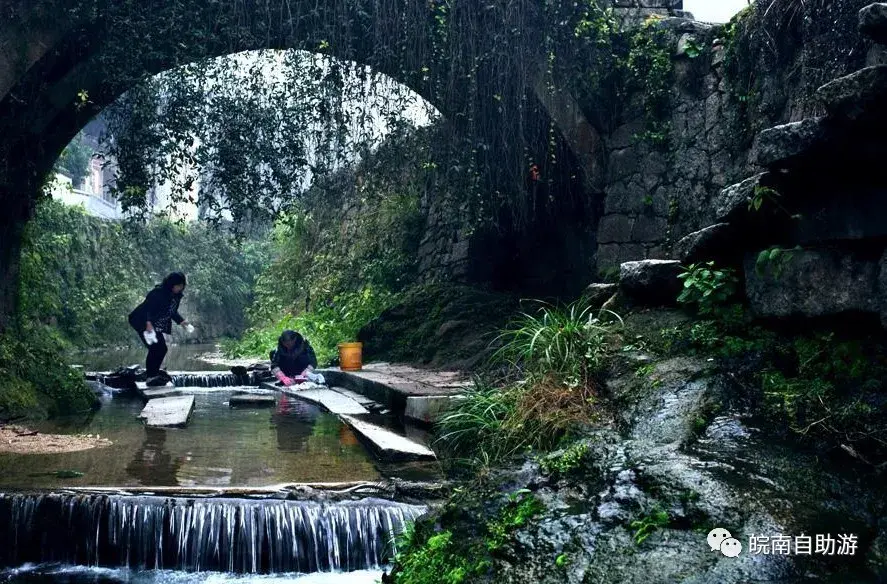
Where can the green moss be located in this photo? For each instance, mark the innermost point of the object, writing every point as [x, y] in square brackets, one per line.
[451, 548]
[650, 70]
[567, 462]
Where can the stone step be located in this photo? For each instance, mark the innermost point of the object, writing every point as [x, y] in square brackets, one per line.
[873, 22]
[155, 392]
[388, 445]
[168, 411]
[333, 401]
[858, 96]
[780, 146]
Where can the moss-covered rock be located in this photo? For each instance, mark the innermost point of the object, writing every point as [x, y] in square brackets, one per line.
[440, 325]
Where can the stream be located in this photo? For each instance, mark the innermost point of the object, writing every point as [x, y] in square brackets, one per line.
[50, 534]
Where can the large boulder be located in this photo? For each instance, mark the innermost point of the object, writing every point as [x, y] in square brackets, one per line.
[873, 22]
[812, 283]
[653, 282]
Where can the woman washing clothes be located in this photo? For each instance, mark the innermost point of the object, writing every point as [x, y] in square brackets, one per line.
[294, 361]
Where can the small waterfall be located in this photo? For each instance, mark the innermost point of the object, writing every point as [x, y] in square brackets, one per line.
[220, 379]
[228, 535]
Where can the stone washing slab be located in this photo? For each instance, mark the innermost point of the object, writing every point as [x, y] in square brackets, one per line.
[168, 411]
[142, 388]
[155, 392]
[332, 401]
[388, 445]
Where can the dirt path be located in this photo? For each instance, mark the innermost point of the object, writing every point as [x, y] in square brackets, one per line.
[21, 440]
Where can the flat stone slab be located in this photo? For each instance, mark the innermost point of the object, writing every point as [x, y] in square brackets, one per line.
[387, 444]
[168, 411]
[251, 400]
[333, 401]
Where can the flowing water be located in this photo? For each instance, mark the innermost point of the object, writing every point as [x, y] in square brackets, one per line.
[229, 535]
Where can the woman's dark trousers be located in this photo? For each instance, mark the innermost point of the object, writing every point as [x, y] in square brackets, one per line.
[156, 354]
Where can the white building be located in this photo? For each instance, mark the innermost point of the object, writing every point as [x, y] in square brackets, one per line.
[93, 194]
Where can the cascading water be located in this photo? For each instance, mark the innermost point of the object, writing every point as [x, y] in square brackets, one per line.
[229, 535]
[213, 379]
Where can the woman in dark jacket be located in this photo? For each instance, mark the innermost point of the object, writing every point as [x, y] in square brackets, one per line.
[154, 316]
[294, 358]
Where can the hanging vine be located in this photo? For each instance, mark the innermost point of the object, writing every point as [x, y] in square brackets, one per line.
[253, 132]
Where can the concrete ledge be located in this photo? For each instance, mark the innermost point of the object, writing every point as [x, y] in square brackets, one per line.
[429, 408]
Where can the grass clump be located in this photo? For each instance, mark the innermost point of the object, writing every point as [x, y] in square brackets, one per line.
[552, 359]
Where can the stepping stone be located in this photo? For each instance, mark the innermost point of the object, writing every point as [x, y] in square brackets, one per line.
[387, 444]
[332, 401]
[780, 146]
[251, 400]
[168, 411]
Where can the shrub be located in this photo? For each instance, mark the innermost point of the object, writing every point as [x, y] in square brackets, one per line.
[35, 380]
[707, 287]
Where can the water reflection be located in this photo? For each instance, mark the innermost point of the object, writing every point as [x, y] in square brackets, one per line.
[152, 463]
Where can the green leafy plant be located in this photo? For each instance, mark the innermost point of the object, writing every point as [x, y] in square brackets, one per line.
[707, 286]
[761, 194]
[693, 49]
[774, 260]
[569, 343]
[646, 525]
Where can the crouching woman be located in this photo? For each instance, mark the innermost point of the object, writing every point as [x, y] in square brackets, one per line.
[294, 361]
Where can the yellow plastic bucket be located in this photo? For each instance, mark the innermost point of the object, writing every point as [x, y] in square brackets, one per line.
[350, 356]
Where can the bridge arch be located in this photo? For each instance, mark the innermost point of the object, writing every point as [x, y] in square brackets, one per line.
[62, 64]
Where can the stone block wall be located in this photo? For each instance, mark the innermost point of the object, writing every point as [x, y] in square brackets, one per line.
[656, 194]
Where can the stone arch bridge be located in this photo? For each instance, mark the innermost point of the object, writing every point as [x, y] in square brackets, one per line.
[53, 52]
